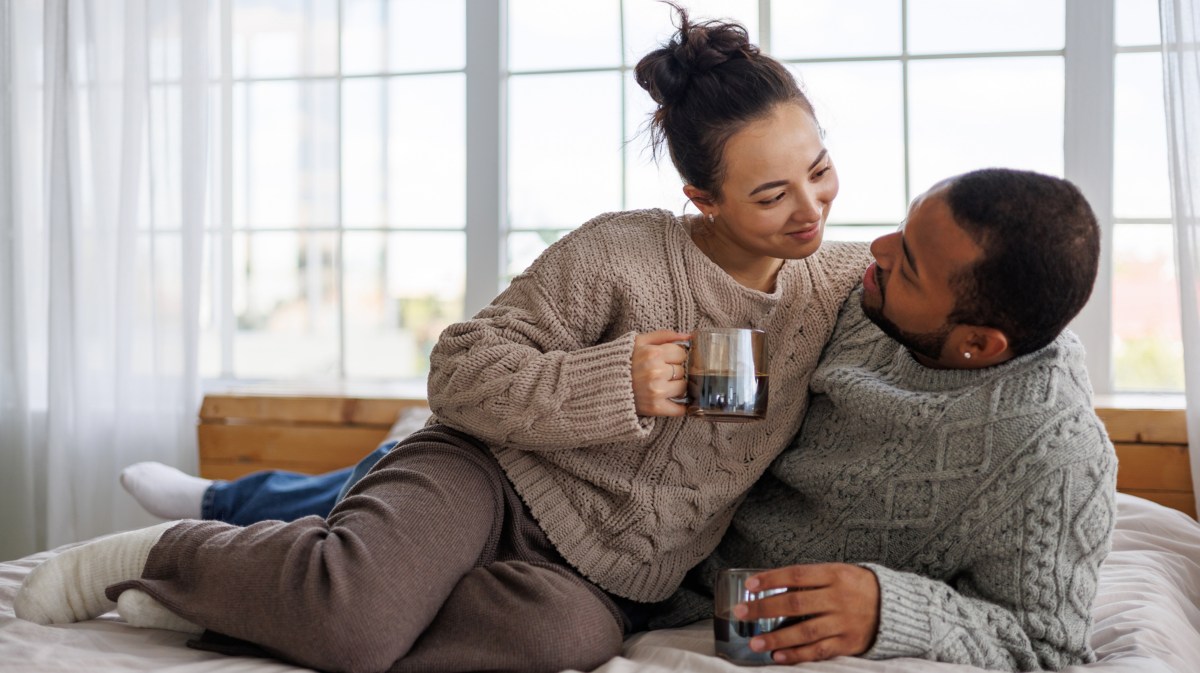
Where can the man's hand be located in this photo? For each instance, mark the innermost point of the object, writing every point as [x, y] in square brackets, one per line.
[840, 604]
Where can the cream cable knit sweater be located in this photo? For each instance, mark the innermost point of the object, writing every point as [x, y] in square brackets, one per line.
[543, 376]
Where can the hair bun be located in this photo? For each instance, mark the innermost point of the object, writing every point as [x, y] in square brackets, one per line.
[694, 50]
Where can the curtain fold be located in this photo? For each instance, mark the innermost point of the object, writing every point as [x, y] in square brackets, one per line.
[104, 134]
[1180, 23]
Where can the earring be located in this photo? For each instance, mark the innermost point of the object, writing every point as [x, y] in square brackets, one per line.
[711, 218]
[967, 356]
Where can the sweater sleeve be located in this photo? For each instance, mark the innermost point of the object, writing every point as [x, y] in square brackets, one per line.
[1024, 602]
[538, 369]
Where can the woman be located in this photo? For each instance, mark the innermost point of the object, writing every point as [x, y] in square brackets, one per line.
[561, 486]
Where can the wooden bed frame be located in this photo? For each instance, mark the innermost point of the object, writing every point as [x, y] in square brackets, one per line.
[241, 433]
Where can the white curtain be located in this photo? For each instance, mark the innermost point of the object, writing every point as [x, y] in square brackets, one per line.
[1180, 21]
[104, 137]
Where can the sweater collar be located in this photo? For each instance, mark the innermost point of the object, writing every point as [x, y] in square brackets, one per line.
[722, 299]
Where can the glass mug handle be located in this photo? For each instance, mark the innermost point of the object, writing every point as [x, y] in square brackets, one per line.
[686, 344]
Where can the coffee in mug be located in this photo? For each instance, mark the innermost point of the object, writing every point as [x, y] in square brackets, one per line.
[727, 374]
[732, 635]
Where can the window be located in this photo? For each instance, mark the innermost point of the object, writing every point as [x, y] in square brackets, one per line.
[342, 250]
[363, 220]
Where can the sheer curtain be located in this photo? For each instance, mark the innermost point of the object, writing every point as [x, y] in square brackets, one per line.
[1181, 76]
[104, 139]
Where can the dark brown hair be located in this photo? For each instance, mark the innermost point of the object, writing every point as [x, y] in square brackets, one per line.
[1041, 251]
[709, 82]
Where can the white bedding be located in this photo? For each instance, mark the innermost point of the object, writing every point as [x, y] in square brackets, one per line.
[1146, 621]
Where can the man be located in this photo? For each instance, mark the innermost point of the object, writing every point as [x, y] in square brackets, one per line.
[951, 494]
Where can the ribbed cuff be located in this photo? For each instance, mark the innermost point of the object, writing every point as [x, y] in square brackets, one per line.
[601, 404]
[904, 609]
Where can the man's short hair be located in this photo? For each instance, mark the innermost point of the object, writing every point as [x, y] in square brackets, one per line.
[1041, 249]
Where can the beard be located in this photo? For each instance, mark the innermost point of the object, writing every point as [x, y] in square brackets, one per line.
[928, 344]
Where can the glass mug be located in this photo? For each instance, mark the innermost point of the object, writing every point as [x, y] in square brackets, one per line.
[726, 374]
[733, 636]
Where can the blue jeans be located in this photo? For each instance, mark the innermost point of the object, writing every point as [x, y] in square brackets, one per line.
[275, 495]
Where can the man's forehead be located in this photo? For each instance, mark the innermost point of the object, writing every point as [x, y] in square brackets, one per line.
[935, 239]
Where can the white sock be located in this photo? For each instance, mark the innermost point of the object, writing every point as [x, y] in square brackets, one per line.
[70, 587]
[165, 491]
[139, 609]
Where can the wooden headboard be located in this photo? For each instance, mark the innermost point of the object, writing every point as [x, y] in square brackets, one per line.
[241, 433]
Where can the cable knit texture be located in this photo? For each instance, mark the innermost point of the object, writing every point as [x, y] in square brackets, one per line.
[543, 376]
[983, 500]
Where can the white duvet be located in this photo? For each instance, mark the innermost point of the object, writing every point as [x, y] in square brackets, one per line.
[1146, 621]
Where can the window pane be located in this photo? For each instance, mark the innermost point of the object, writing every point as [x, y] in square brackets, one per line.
[363, 23]
[285, 154]
[860, 107]
[283, 38]
[427, 35]
[427, 151]
[564, 151]
[647, 184]
[364, 153]
[525, 246]
[859, 234]
[403, 159]
[1141, 185]
[1147, 343]
[402, 290]
[1137, 23]
[552, 34]
[975, 113]
[973, 26]
[402, 36]
[825, 28]
[285, 303]
[649, 23]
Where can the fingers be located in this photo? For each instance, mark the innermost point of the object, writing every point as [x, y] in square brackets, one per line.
[658, 373]
[806, 576]
[799, 635]
[661, 337]
[798, 603]
[818, 651]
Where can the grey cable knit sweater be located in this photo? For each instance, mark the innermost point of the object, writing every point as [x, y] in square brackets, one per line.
[982, 499]
[543, 376]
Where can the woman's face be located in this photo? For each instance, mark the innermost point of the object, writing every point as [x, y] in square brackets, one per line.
[779, 184]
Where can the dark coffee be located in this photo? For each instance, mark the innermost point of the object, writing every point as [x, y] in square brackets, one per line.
[722, 397]
[733, 639]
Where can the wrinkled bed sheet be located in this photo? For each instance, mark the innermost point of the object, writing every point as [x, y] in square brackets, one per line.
[1146, 621]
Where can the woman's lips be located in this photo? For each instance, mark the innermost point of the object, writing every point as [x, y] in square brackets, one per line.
[806, 234]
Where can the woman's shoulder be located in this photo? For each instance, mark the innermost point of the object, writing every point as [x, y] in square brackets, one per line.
[648, 222]
[619, 238]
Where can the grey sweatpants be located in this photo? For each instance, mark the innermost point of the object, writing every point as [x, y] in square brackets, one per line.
[431, 563]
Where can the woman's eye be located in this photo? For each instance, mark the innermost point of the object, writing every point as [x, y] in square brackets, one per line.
[774, 199]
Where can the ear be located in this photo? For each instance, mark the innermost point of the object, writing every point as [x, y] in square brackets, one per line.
[974, 346]
[703, 200]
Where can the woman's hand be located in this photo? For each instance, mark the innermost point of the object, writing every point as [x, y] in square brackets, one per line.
[659, 373]
[839, 600]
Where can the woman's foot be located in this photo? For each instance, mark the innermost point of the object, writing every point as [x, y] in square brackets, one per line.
[165, 491]
[69, 587]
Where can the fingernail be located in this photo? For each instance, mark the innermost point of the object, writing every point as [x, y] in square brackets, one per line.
[779, 657]
[752, 583]
[758, 644]
[740, 610]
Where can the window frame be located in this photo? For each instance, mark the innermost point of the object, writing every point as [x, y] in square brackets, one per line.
[1089, 55]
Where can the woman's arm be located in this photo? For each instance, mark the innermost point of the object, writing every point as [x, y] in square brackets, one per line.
[546, 366]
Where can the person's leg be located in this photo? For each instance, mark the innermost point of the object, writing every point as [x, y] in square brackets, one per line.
[356, 589]
[514, 616]
[277, 495]
[270, 495]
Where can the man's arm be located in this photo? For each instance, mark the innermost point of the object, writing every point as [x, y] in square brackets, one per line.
[1022, 601]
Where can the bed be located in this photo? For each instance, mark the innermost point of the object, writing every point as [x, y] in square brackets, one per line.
[1147, 620]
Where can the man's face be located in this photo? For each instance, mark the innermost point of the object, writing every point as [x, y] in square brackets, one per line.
[908, 291]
